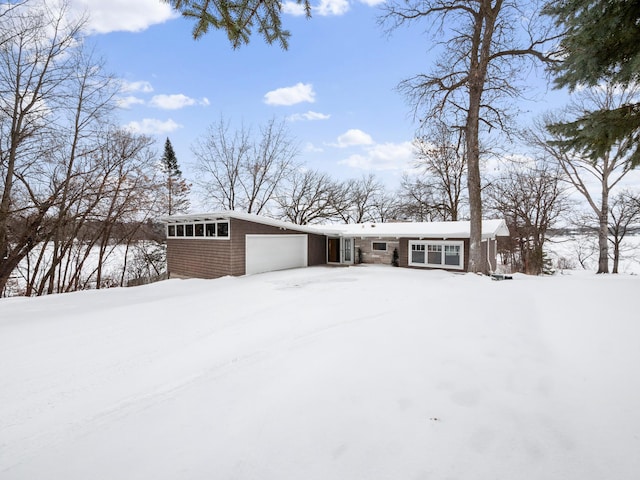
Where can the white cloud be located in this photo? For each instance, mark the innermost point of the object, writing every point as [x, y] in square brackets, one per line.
[153, 126]
[300, 92]
[352, 138]
[311, 148]
[129, 101]
[204, 101]
[384, 156]
[123, 15]
[310, 115]
[372, 3]
[139, 86]
[324, 8]
[332, 7]
[293, 8]
[171, 102]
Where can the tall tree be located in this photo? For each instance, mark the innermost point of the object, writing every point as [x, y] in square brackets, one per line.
[440, 156]
[600, 45]
[358, 203]
[176, 189]
[419, 199]
[624, 213]
[486, 47]
[308, 197]
[241, 170]
[530, 199]
[239, 19]
[37, 62]
[593, 178]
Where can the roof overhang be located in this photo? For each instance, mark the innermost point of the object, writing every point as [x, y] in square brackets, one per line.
[423, 230]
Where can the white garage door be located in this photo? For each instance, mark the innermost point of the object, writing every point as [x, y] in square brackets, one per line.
[265, 253]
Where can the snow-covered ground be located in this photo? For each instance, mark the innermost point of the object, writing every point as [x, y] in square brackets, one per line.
[367, 372]
[581, 252]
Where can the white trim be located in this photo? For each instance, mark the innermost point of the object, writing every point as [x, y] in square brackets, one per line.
[343, 250]
[183, 224]
[386, 246]
[443, 243]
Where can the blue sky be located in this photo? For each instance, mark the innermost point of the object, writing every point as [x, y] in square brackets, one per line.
[335, 85]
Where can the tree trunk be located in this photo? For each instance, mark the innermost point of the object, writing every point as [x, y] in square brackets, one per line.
[616, 255]
[473, 181]
[603, 232]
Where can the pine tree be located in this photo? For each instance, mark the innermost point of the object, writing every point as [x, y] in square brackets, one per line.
[169, 160]
[238, 19]
[176, 188]
[600, 45]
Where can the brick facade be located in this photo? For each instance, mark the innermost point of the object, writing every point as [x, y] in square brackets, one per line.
[369, 255]
[216, 257]
[206, 257]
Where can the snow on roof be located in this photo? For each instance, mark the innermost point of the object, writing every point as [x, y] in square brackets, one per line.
[490, 229]
[249, 217]
[460, 229]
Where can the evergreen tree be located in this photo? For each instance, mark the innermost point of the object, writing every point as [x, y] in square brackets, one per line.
[169, 160]
[176, 188]
[238, 19]
[600, 45]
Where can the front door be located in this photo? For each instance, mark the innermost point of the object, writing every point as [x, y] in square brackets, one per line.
[333, 250]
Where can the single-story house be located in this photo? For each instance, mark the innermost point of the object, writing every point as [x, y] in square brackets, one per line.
[212, 245]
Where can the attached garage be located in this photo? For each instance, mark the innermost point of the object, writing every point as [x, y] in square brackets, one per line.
[266, 253]
[213, 245]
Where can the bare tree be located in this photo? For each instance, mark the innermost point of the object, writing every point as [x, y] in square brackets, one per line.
[36, 63]
[418, 197]
[624, 213]
[356, 204]
[594, 180]
[487, 46]
[440, 156]
[386, 207]
[308, 197]
[241, 172]
[531, 200]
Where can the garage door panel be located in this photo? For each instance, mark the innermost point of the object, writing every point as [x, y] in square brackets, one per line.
[266, 253]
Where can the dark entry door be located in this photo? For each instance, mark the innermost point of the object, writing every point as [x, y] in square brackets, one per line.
[333, 250]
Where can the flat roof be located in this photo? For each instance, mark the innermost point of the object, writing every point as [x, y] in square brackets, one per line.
[490, 228]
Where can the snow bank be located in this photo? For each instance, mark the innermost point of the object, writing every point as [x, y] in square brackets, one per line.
[325, 373]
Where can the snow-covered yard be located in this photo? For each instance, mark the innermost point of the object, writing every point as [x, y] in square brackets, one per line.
[325, 373]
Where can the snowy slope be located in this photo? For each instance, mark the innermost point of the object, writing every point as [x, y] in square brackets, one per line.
[325, 373]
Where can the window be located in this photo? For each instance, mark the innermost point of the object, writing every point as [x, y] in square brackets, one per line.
[200, 229]
[434, 254]
[380, 246]
[437, 253]
[223, 229]
[452, 255]
[417, 253]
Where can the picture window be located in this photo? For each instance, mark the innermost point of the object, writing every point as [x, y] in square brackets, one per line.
[436, 254]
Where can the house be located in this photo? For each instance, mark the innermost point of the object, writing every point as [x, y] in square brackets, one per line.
[213, 245]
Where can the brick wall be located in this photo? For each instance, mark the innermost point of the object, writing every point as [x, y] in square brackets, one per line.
[213, 258]
[198, 258]
[369, 255]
